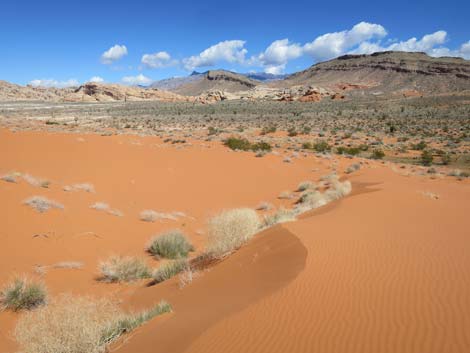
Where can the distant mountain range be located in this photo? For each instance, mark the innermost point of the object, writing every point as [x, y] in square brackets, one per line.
[384, 73]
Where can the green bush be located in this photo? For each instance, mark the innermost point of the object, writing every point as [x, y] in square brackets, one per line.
[377, 154]
[124, 269]
[242, 144]
[426, 158]
[171, 245]
[348, 150]
[170, 269]
[23, 294]
[321, 146]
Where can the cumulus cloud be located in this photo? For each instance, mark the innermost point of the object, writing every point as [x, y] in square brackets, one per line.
[158, 60]
[331, 45]
[432, 44]
[137, 80]
[47, 83]
[113, 54]
[231, 51]
[277, 55]
[96, 79]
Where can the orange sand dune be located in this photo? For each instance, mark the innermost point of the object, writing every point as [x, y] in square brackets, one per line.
[131, 174]
[385, 269]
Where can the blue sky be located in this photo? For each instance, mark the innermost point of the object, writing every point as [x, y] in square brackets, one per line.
[65, 42]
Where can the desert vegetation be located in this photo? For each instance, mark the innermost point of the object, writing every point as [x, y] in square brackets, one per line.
[23, 294]
[42, 204]
[78, 324]
[170, 245]
[123, 269]
[230, 229]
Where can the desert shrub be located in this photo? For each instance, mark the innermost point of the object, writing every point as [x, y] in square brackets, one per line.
[426, 158]
[446, 159]
[80, 187]
[171, 245]
[352, 168]
[313, 199]
[235, 143]
[307, 145]
[23, 294]
[280, 216]
[419, 146]
[268, 130]
[305, 185]
[292, 132]
[10, 178]
[42, 204]
[170, 269]
[261, 146]
[36, 181]
[231, 229]
[321, 146]
[124, 269]
[101, 206]
[377, 154]
[337, 190]
[148, 216]
[77, 325]
[352, 151]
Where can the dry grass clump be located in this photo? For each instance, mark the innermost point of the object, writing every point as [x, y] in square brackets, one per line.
[101, 206]
[34, 181]
[170, 269]
[231, 229]
[42, 204]
[152, 216]
[314, 199]
[305, 185]
[71, 265]
[77, 325]
[124, 269]
[128, 323]
[352, 168]
[280, 216]
[171, 245]
[11, 177]
[80, 187]
[23, 294]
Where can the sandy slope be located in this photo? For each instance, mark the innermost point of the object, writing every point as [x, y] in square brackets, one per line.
[387, 271]
[384, 270]
[131, 174]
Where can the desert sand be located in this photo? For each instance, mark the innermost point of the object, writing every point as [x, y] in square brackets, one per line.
[385, 269]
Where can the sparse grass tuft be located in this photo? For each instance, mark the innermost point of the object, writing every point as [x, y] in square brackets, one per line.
[171, 245]
[124, 269]
[170, 269]
[231, 229]
[129, 323]
[23, 294]
[42, 204]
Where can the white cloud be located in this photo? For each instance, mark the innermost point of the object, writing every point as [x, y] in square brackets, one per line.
[231, 51]
[113, 54]
[425, 44]
[137, 80]
[158, 60]
[331, 45]
[47, 83]
[96, 79]
[277, 55]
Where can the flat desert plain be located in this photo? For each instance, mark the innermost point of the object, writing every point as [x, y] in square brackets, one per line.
[384, 267]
